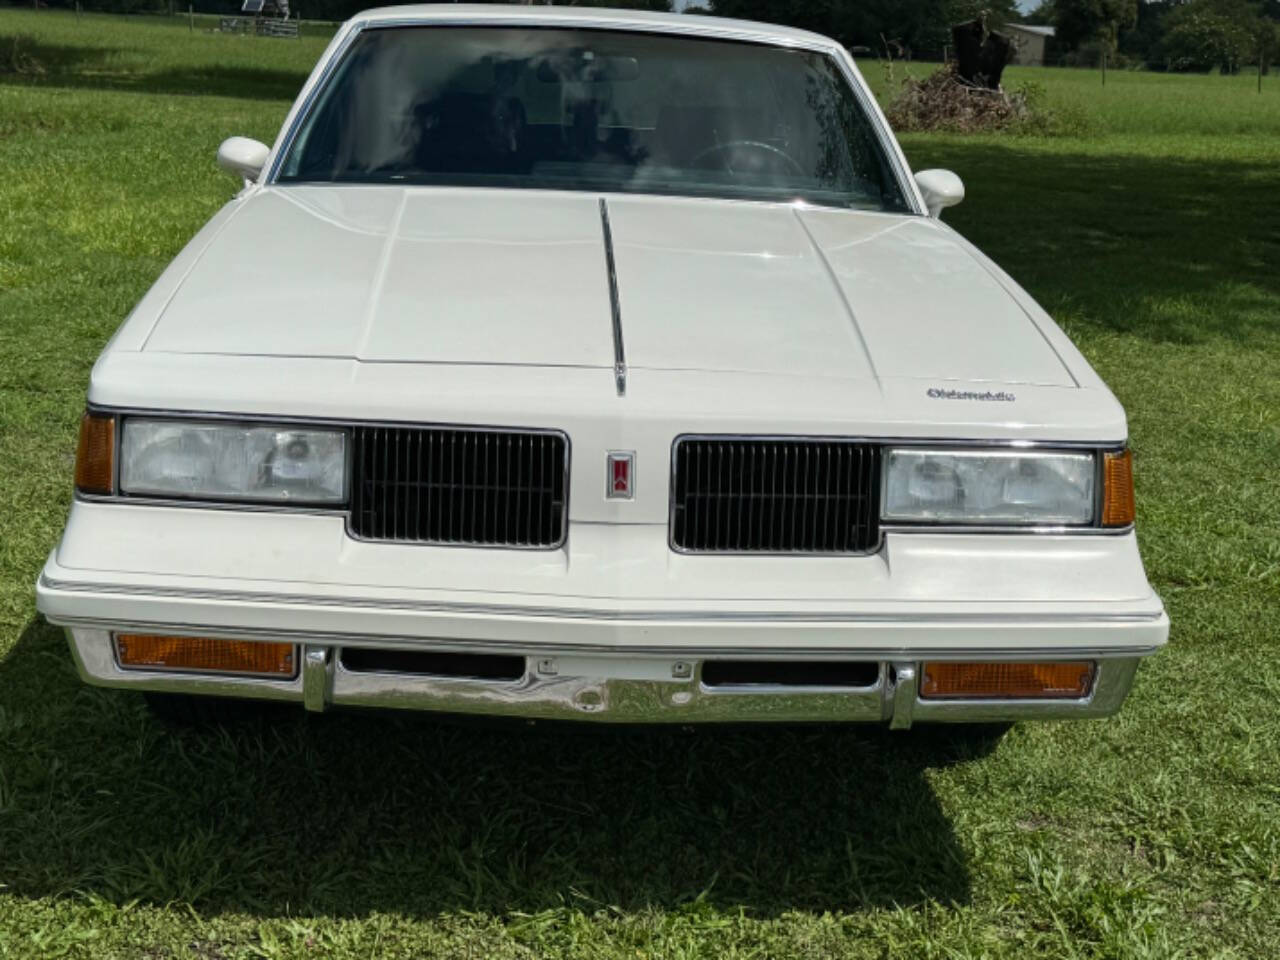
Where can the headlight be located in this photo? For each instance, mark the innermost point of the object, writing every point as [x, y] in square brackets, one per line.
[213, 461]
[989, 487]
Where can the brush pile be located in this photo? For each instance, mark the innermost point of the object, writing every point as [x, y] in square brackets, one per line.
[944, 100]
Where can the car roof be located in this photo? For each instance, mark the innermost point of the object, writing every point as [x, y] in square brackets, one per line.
[597, 17]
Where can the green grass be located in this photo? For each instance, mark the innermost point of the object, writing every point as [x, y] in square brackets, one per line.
[1154, 238]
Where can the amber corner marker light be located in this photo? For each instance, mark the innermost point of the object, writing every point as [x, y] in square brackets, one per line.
[944, 680]
[1118, 506]
[206, 655]
[96, 453]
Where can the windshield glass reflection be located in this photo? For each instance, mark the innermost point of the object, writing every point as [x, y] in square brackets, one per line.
[593, 110]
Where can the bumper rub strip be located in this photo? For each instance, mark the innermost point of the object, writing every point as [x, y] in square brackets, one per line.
[589, 613]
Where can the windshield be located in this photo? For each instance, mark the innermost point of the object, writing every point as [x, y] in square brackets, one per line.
[593, 110]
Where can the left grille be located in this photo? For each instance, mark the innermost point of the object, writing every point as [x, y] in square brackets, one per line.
[493, 488]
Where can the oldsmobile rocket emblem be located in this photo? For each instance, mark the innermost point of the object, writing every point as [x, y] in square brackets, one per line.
[620, 470]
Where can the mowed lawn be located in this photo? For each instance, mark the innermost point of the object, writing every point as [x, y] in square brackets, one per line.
[1154, 237]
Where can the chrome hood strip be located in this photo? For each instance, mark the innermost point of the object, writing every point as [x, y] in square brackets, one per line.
[619, 355]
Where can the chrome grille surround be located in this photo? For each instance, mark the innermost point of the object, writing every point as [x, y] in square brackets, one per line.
[459, 486]
[774, 495]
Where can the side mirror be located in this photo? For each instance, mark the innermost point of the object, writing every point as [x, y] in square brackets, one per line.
[242, 157]
[941, 189]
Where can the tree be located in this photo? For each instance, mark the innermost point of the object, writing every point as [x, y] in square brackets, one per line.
[1266, 42]
[1044, 14]
[312, 9]
[1145, 41]
[819, 15]
[998, 12]
[1204, 34]
[910, 24]
[663, 6]
[1082, 21]
[906, 24]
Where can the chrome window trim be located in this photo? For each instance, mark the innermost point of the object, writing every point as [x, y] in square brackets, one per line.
[121, 414]
[692, 30]
[1093, 529]
[308, 102]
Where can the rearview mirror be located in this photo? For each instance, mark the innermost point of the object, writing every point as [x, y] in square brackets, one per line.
[242, 157]
[940, 188]
[588, 67]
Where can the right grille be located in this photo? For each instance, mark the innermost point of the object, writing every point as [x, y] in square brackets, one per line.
[496, 488]
[743, 495]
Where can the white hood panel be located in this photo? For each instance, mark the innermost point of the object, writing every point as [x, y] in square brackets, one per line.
[386, 274]
[708, 285]
[926, 308]
[495, 277]
[507, 277]
[741, 287]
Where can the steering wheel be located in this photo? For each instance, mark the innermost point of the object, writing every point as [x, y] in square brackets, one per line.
[760, 145]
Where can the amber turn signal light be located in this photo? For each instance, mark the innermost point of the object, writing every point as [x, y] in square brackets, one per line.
[96, 453]
[1118, 507]
[206, 655]
[944, 680]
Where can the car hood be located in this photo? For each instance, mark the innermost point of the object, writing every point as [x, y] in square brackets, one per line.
[455, 276]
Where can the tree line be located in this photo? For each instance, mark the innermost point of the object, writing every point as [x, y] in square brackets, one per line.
[333, 10]
[906, 28]
[1183, 35]
[900, 26]
[1179, 35]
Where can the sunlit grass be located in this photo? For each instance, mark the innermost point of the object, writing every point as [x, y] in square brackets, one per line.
[1134, 101]
[1154, 237]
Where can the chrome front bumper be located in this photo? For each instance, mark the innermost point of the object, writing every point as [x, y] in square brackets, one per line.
[623, 687]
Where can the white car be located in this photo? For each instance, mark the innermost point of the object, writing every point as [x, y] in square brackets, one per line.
[567, 363]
